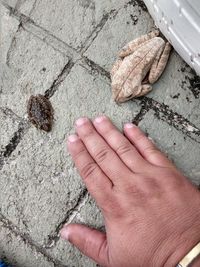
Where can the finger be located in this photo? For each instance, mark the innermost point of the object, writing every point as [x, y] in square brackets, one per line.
[101, 152]
[146, 147]
[96, 181]
[89, 241]
[121, 145]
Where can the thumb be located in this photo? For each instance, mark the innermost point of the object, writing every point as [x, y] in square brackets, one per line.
[89, 241]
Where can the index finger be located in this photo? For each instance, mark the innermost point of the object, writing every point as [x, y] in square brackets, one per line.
[97, 183]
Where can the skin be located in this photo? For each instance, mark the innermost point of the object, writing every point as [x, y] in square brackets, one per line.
[151, 210]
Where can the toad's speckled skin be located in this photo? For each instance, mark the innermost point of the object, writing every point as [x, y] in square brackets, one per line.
[40, 112]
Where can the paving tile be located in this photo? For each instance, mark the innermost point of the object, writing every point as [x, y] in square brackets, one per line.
[74, 20]
[39, 185]
[175, 90]
[8, 124]
[83, 94]
[18, 253]
[89, 215]
[130, 22]
[9, 26]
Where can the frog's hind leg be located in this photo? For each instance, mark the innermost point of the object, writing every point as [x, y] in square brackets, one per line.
[115, 67]
[143, 89]
[133, 45]
[160, 63]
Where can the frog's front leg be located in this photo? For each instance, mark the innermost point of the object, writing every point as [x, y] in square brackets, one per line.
[143, 89]
[159, 63]
[133, 45]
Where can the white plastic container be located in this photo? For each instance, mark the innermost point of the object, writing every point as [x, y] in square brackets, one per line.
[179, 21]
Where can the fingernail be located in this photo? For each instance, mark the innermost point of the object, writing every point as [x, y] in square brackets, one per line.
[64, 233]
[73, 138]
[100, 119]
[129, 125]
[81, 121]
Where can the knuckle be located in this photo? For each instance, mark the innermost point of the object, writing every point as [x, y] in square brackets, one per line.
[140, 137]
[88, 170]
[79, 153]
[101, 155]
[150, 150]
[123, 149]
[87, 246]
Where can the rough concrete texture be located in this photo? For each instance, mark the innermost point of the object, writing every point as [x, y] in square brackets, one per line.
[64, 50]
[11, 3]
[14, 244]
[73, 21]
[9, 123]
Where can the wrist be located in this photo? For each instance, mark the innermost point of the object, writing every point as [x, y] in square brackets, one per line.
[185, 253]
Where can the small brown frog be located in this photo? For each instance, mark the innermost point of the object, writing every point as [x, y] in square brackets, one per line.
[40, 112]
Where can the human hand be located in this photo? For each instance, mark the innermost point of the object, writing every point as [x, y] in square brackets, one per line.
[151, 210]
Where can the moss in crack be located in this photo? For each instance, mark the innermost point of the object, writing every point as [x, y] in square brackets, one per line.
[195, 85]
[139, 3]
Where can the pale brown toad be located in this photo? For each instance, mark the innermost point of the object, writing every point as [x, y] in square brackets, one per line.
[40, 112]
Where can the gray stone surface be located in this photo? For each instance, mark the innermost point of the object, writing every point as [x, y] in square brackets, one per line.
[175, 90]
[18, 253]
[131, 22]
[9, 123]
[25, 6]
[9, 26]
[11, 3]
[79, 88]
[40, 188]
[74, 20]
[43, 186]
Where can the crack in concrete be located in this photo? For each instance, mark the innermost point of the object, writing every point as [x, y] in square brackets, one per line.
[96, 31]
[51, 40]
[12, 44]
[10, 113]
[15, 140]
[94, 68]
[28, 241]
[139, 3]
[70, 215]
[143, 111]
[164, 113]
[22, 20]
[61, 77]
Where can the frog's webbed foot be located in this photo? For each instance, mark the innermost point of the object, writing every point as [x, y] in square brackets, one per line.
[115, 67]
[143, 89]
[160, 63]
[133, 45]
